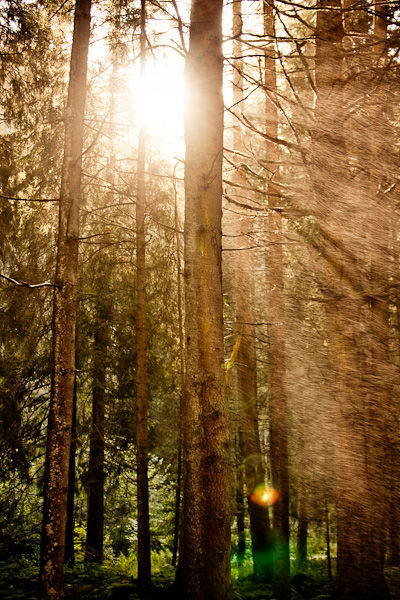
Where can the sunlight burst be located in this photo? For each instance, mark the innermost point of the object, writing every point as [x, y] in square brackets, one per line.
[161, 98]
[264, 496]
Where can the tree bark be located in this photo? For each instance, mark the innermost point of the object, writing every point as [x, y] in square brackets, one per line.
[381, 437]
[360, 409]
[178, 512]
[276, 332]
[241, 532]
[64, 320]
[328, 541]
[207, 514]
[142, 443]
[249, 440]
[95, 518]
[302, 534]
[102, 318]
[69, 556]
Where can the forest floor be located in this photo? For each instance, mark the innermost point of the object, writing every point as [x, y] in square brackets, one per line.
[104, 585]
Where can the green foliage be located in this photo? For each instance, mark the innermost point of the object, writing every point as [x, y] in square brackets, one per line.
[244, 570]
[123, 565]
[79, 543]
[126, 565]
[247, 589]
[312, 584]
[19, 522]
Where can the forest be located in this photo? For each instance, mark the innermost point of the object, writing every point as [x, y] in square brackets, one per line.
[200, 299]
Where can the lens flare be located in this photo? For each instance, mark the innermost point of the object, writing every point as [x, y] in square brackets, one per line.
[264, 496]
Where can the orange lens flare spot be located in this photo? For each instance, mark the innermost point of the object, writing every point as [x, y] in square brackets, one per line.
[264, 496]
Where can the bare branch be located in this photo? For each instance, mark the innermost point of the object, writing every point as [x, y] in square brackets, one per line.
[30, 199]
[29, 285]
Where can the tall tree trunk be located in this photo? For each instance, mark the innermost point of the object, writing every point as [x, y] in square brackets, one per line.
[302, 533]
[103, 309]
[69, 556]
[383, 156]
[359, 410]
[276, 333]
[380, 437]
[344, 311]
[393, 548]
[177, 517]
[95, 518]
[64, 319]
[393, 542]
[249, 440]
[241, 531]
[142, 443]
[328, 541]
[207, 514]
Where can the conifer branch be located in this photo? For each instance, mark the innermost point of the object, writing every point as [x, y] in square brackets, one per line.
[30, 199]
[29, 285]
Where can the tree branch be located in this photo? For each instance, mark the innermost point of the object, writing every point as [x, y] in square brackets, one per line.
[30, 199]
[29, 285]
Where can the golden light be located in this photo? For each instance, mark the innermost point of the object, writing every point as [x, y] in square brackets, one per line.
[161, 97]
[264, 496]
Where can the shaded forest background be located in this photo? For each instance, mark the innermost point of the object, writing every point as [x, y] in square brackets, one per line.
[310, 275]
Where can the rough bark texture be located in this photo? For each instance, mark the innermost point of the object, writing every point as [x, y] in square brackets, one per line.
[241, 532]
[302, 534]
[178, 512]
[328, 541]
[206, 547]
[142, 443]
[249, 440]
[382, 153]
[69, 555]
[102, 330]
[95, 518]
[380, 434]
[360, 408]
[276, 331]
[393, 542]
[64, 320]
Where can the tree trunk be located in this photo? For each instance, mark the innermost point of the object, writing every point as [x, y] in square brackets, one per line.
[328, 541]
[302, 534]
[383, 373]
[393, 546]
[69, 556]
[249, 440]
[64, 319]
[381, 436]
[241, 532]
[359, 410]
[207, 514]
[103, 313]
[393, 542]
[276, 332]
[142, 443]
[328, 141]
[95, 518]
[177, 517]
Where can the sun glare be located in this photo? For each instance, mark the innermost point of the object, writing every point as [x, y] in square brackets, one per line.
[161, 98]
[264, 496]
